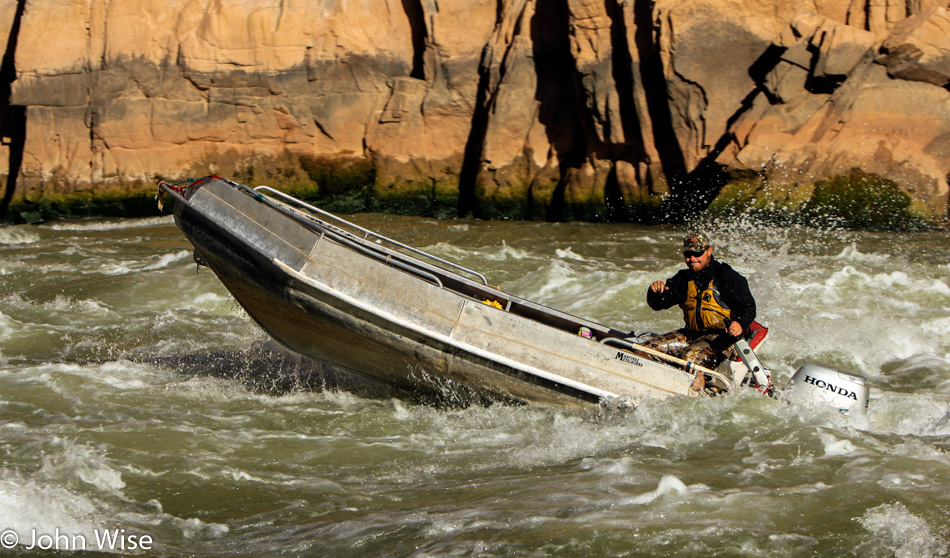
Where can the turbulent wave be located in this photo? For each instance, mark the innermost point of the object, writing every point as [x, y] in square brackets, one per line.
[117, 225]
[134, 393]
[18, 235]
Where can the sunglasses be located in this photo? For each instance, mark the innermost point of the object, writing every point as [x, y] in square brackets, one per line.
[692, 254]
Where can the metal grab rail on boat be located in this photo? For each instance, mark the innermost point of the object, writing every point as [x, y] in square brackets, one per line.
[391, 261]
[689, 366]
[367, 233]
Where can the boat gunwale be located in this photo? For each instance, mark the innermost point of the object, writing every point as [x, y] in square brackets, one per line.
[452, 280]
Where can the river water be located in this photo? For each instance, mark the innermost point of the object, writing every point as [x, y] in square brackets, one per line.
[140, 406]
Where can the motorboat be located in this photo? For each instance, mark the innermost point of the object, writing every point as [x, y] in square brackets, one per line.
[339, 293]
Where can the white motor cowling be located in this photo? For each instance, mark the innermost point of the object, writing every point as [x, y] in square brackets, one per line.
[817, 384]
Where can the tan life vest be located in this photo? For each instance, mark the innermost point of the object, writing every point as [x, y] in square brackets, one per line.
[704, 310]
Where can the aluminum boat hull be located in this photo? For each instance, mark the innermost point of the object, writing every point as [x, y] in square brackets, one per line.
[330, 295]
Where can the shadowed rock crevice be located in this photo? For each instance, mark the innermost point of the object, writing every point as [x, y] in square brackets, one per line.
[657, 96]
[560, 109]
[474, 146]
[471, 162]
[623, 74]
[759, 72]
[817, 83]
[12, 118]
[420, 36]
[630, 150]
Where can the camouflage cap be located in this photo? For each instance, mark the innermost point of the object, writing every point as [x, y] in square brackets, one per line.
[695, 241]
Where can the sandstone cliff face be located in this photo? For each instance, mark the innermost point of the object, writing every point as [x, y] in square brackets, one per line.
[585, 109]
[838, 97]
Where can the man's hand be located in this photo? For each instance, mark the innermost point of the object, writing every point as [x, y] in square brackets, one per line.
[658, 287]
[734, 329]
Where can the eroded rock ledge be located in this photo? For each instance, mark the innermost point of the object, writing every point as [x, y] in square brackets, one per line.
[587, 109]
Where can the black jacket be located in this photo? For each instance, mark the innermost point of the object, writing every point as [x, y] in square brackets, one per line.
[733, 288]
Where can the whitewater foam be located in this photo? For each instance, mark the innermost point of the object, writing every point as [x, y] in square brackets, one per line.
[668, 485]
[906, 534]
[111, 225]
[569, 254]
[835, 447]
[852, 254]
[27, 505]
[18, 235]
[167, 260]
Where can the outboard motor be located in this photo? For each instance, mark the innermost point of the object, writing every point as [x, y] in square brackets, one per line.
[819, 384]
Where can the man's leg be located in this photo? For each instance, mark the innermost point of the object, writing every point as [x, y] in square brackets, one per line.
[700, 352]
[677, 343]
[672, 343]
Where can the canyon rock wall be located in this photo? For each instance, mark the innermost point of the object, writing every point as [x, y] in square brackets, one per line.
[587, 109]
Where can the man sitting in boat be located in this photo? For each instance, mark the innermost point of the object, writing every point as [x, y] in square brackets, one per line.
[716, 301]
